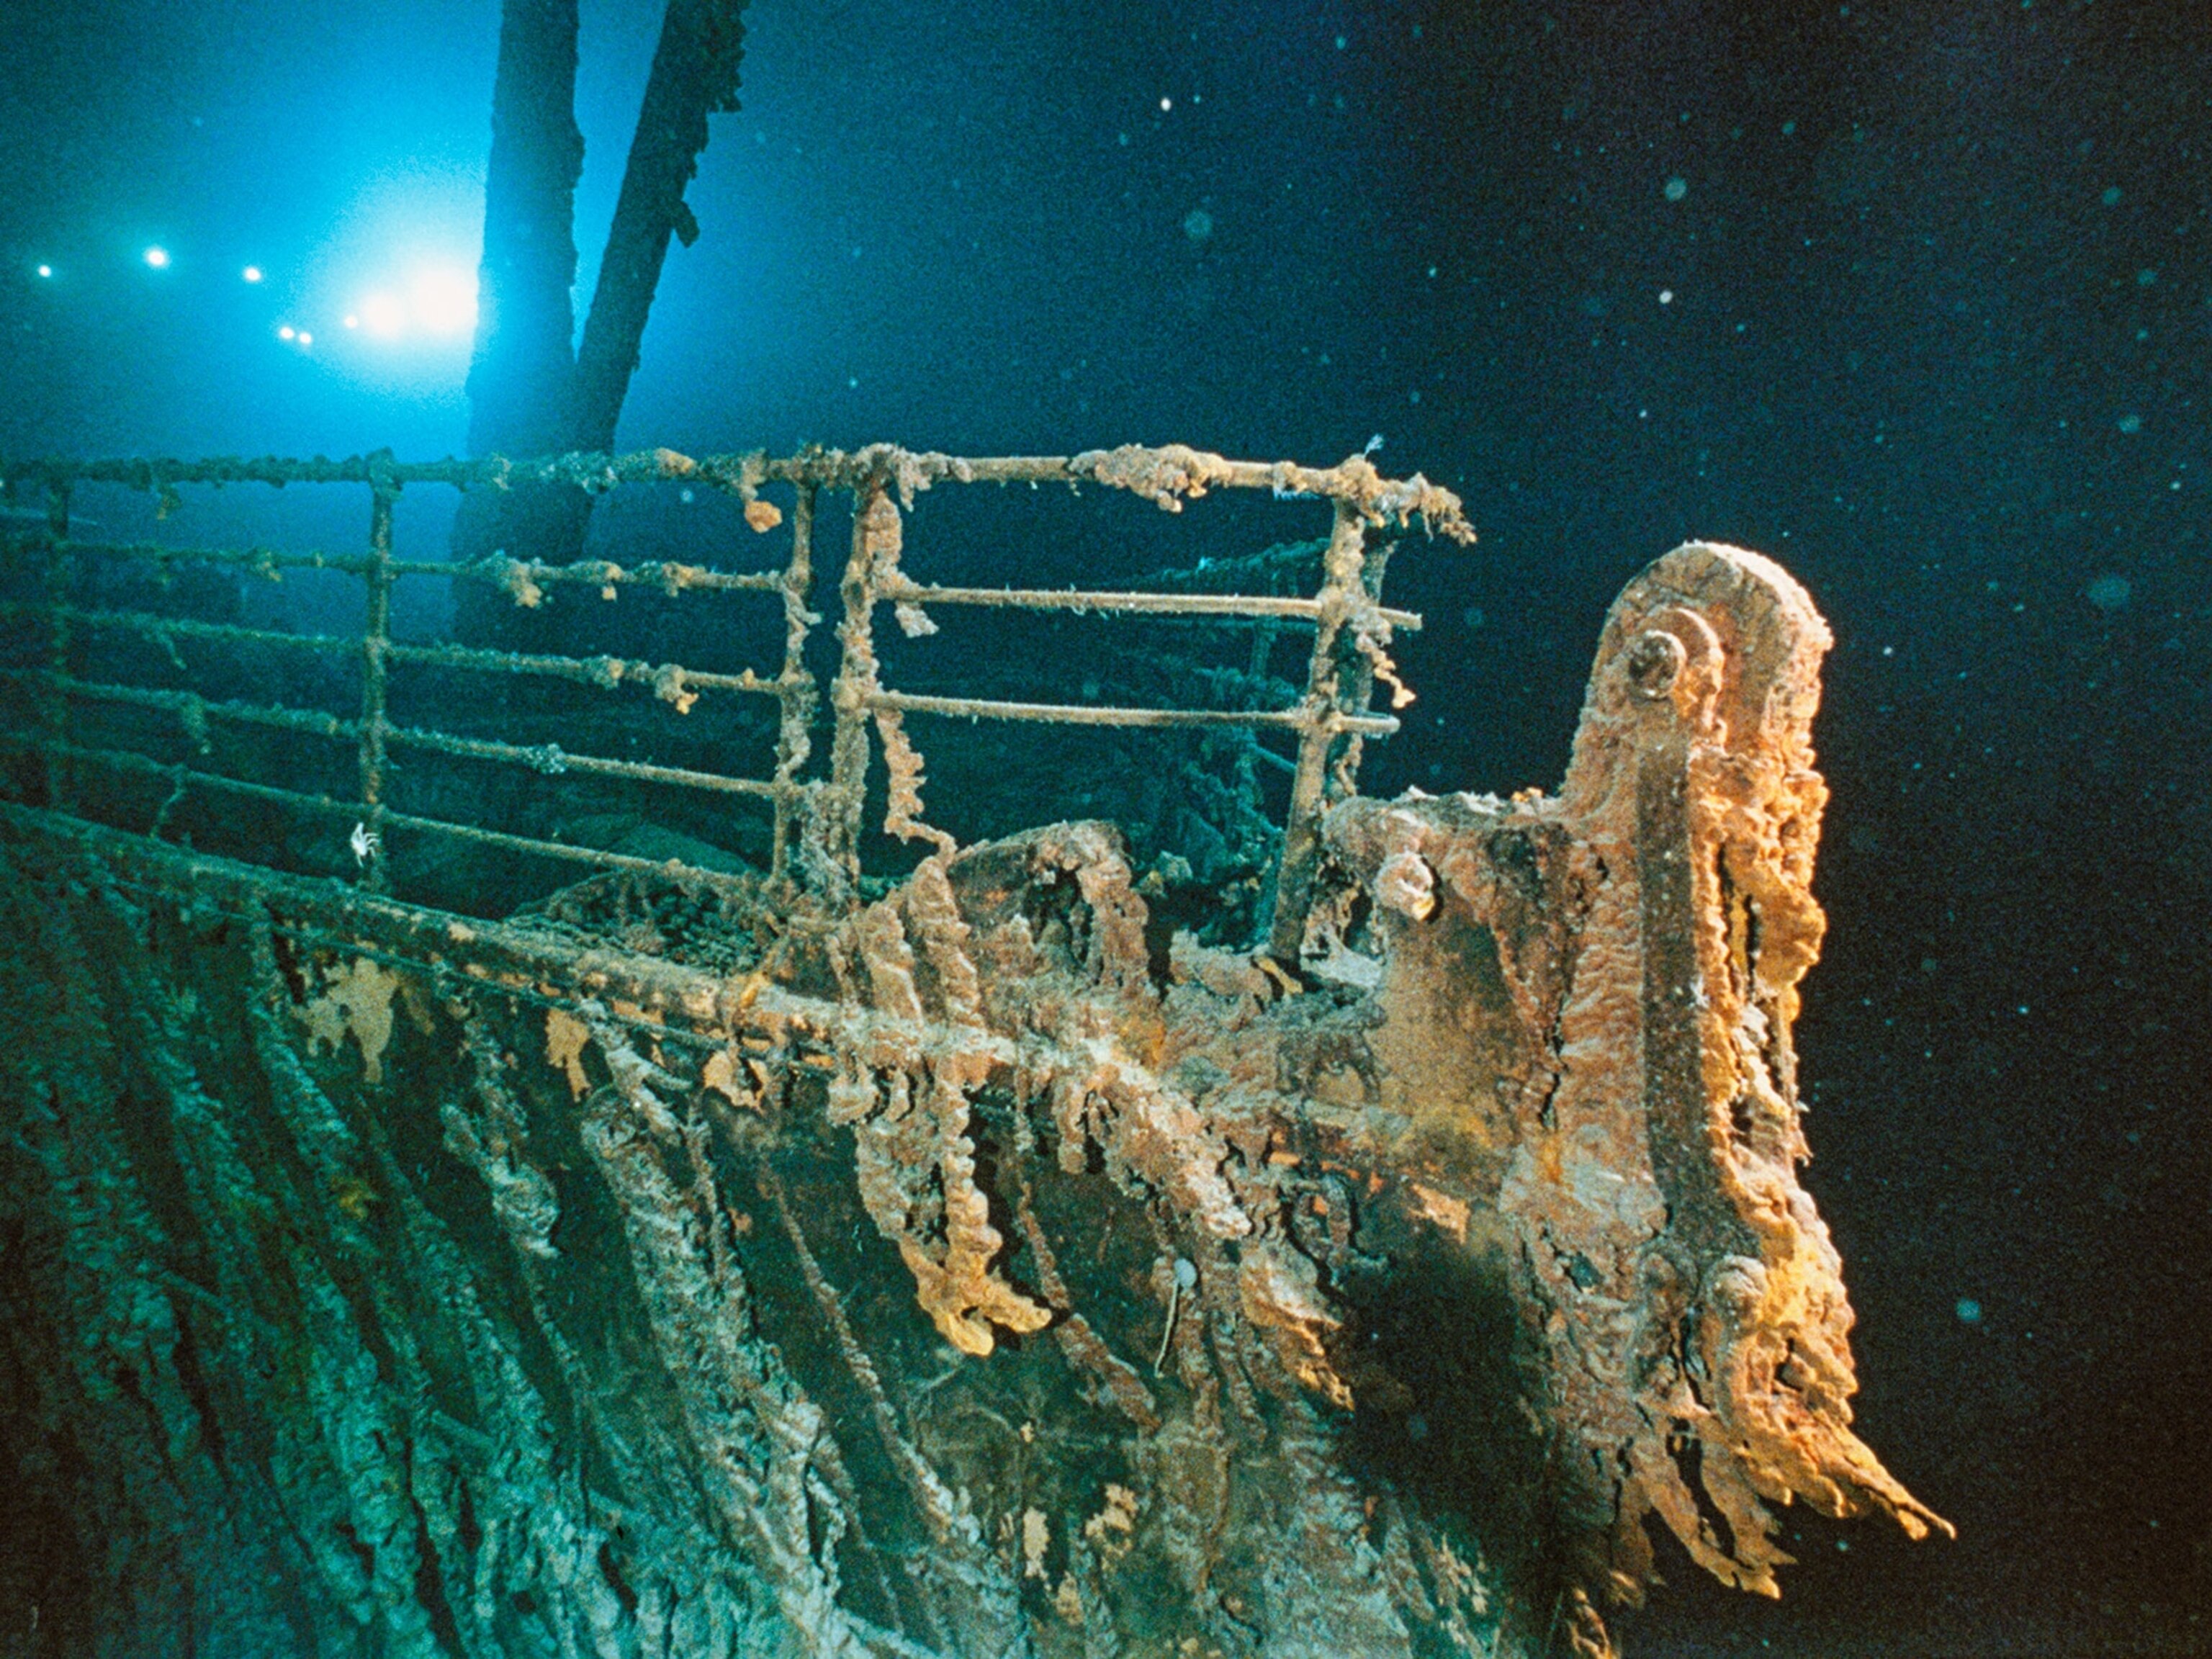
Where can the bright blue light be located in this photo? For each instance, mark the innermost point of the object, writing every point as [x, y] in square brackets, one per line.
[444, 299]
[389, 289]
[158, 257]
[383, 316]
[440, 304]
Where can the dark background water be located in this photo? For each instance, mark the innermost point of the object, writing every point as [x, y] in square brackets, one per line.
[1915, 298]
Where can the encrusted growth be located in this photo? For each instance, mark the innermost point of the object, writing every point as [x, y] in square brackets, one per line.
[1650, 927]
[1693, 789]
[984, 1261]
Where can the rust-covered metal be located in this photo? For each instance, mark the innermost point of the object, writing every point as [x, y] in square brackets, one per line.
[971, 1262]
[1649, 928]
[883, 480]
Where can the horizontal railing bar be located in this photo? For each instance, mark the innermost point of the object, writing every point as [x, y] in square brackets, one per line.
[1296, 720]
[670, 578]
[130, 761]
[1166, 476]
[146, 622]
[550, 760]
[557, 849]
[311, 722]
[256, 558]
[1256, 606]
[127, 760]
[605, 672]
[667, 575]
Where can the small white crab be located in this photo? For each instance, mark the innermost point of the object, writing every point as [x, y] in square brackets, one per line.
[366, 843]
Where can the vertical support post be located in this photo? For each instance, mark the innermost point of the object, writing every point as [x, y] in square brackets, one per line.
[794, 686]
[375, 641]
[1318, 727]
[876, 532]
[1343, 781]
[57, 574]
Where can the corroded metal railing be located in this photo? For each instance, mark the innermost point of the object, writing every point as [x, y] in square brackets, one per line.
[1352, 632]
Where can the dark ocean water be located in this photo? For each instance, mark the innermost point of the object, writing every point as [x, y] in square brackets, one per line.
[1915, 298]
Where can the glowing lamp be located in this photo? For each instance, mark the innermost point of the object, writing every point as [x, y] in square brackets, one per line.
[444, 301]
[383, 316]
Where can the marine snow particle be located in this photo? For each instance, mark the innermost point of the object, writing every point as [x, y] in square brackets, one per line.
[1677, 188]
[2131, 424]
[1969, 1310]
[2111, 196]
[2110, 592]
[1197, 224]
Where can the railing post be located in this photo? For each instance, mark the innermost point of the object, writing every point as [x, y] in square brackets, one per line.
[794, 686]
[876, 535]
[375, 643]
[1342, 592]
[1343, 781]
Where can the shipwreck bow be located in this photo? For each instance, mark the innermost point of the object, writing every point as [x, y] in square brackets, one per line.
[1651, 925]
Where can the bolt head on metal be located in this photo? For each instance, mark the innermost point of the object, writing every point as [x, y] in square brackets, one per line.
[1655, 661]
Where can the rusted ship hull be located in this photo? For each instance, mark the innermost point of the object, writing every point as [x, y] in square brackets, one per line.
[974, 1264]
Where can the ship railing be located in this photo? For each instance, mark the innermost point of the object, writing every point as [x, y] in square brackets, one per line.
[50, 614]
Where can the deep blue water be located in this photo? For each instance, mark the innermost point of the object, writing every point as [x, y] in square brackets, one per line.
[1913, 297]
